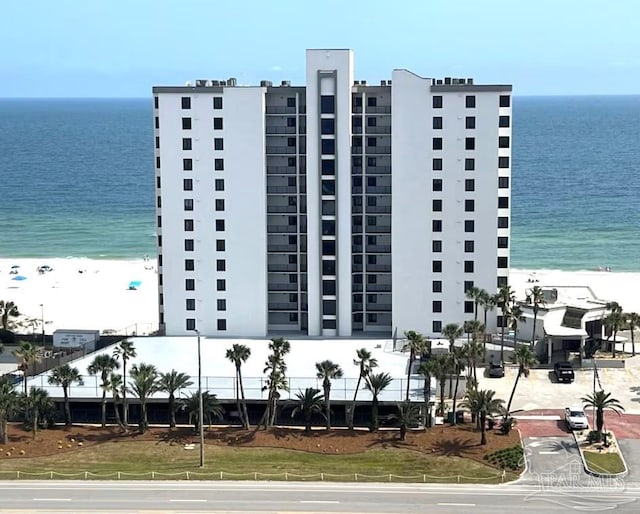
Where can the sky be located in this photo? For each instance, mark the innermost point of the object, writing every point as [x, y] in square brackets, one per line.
[121, 48]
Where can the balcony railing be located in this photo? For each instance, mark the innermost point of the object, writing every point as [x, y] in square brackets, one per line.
[281, 150]
[378, 209]
[382, 129]
[356, 150]
[378, 288]
[282, 287]
[378, 229]
[378, 170]
[378, 150]
[378, 189]
[379, 109]
[378, 267]
[282, 248]
[380, 307]
[378, 248]
[288, 306]
[281, 170]
[277, 266]
[282, 189]
[280, 109]
[280, 129]
[278, 209]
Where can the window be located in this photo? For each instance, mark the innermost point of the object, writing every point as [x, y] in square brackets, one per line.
[436, 286]
[436, 266]
[156, 102]
[159, 222]
[436, 184]
[190, 304]
[188, 204]
[291, 122]
[469, 225]
[328, 267]
[469, 164]
[437, 122]
[503, 121]
[219, 204]
[356, 141]
[436, 205]
[436, 327]
[436, 225]
[469, 184]
[372, 201]
[327, 104]
[470, 122]
[157, 122]
[291, 181]
[468, 284]
[502, 281]
[186, 102]
[328, 167]
[328, 146]
[437, 164]
[470, 101]
[217, 123]
[329, 307]
[191, 324]
[328, 187]
[503, 182]
[219, 184]
[293, 317]
[503, 242]
[372, 141]
[218, 164]
[188, 225]
[220, 245]
[469, 307]
[328, 207]
[219, 225]
[189, 265]
[221, 305]
[328, 247]
[437, 143]
[190, 284]
[291, 101]
[218, 143]
[436, 306]
[327, 126]
[469, 143]
[436, 246]
[186, 143]
[222, 324]
[436, 102]
[503, 222]
[503, 142]
[328, 228]
[329, 323]
[221, 265]
[469, 205]
[503, 202]
[503, 262]
[158, 162]
[468, 266]
[188, 245]
[157, 142]
[503, 162]
[158, 182]
[328, 287]
[187, 164]
[469, 246]
[505, 101]
[217, 102]
[221, 284]
[159, 202]
[371, 121]
[186, 123]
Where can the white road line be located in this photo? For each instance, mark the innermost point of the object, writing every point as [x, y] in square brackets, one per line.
[188, 500]
[319, 501]
[51, 499]
[457, 504]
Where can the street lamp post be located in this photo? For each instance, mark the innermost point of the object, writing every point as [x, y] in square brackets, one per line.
[42, 320]
[200, 407]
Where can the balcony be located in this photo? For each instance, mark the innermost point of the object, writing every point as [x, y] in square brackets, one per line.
[378, 170]
[378, 248]
[279, 209]
[288, 306]
[382, 129]
[356, 209]
[281, 170]
[282, 189]
[373, 190]
[282, 248]
[356, 130]
[280, 129]
[378, 268]
[282, 229]
[379, 307]
[282, 286]
[378, 229]
[356, 170]
[378, 288]
[378, 209]
[373, 150]
[280, 109]
[356, 268]
[356, 150]
[281, 150]
[356, 307]
[378, 109]
[281, 266]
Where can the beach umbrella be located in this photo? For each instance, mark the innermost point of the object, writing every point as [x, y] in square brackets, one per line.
[19, 277]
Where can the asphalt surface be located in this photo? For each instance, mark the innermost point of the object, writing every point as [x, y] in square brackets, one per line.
[244, 497]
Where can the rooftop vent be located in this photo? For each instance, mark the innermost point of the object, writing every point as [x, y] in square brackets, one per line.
[469, 81]
[439, 82]
[232, 82]
[223, 83]
[285, 83]
[201, 82]
[265, 83]
[356, 82]
[383, 82]
[447, 80]
[363, 82]
[215, 82]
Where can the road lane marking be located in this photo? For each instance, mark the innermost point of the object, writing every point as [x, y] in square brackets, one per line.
[51, 499]
[188, 500]
[319, 501]
[457, 504]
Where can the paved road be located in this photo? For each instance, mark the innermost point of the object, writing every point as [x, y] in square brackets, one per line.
[265, 497]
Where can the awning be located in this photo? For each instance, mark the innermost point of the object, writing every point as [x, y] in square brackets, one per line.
[553, 325]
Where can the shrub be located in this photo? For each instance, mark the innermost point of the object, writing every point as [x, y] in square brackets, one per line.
[507, 458]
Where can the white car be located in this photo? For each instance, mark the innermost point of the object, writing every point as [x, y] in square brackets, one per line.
[576, 418]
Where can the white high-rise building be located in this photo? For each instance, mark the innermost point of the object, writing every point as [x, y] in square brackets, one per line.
[338, 208]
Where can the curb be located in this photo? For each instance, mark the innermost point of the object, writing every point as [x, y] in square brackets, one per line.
[595, 473]
[526, 463]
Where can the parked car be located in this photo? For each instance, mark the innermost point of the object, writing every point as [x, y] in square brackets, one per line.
[576, 418]
[496, 370]
[564, 372]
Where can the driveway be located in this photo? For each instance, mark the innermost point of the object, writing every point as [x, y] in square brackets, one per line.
[631, 451]
[552, 461]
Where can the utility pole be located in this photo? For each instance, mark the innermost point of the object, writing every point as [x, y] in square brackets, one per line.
[42, 321]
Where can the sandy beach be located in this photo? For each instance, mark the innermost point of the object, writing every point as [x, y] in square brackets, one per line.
[94, 294]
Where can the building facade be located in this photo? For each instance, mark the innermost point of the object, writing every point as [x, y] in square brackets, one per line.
[334, 209]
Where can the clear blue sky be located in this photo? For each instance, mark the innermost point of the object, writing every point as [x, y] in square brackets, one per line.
[121, 48]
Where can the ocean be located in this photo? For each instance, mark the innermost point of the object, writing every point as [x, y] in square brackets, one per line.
[76, 179]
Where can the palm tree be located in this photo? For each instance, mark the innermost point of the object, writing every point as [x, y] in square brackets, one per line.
[125, 350]
[170, 383]
[276, 380]
[452, 331]
[633, 321]
[504, 299]
[602, 401]
[28, 354]
[211, 408]
[115, 384]
[516, 317]
[309, 403]
[474, 293]
[408, 415]
[366, 363]
[8, 310]
[526, 359]
[327, 371]
[35, 403]
[416, 344]
[482, 403]
[103, 364]
[441, 369]
[473, 328]
[238, 354]
[375, 383]
[65, 376]
[614, 322]
[537, 300]
[144, 383]
[427, 370]
[458, 356]
[488, 303]
[474, 351]
[9, 401]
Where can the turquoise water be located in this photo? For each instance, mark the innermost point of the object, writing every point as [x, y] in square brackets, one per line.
[76, 179]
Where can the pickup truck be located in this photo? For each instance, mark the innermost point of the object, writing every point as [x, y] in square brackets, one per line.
[563, 372]
[576, 418]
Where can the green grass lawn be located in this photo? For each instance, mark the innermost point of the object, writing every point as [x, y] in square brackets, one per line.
[604, 462]
[244, 463]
